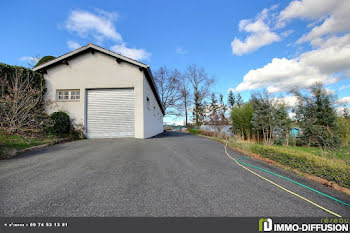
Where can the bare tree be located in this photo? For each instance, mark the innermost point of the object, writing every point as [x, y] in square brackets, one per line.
[185, 98]
[201, 83]
[33, 61]
[19, 104]
[168, 83]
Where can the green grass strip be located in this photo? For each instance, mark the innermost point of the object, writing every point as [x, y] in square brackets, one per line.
[295, 182]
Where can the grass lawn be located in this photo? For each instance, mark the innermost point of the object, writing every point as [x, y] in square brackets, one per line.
[12, 143]
[342, 154]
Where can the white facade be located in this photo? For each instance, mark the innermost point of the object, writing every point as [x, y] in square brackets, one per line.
[88, 70]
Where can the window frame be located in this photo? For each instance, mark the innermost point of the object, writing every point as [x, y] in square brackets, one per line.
[69, 96]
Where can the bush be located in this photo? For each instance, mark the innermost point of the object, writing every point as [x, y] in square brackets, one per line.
[21, 98]
[59, 123]
[77, 132]
[332, 170]
[44, 60]
[194, 131]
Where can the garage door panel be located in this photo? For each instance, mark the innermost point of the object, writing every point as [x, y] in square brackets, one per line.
[110, 113]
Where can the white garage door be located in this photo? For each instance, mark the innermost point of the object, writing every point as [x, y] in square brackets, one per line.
[110, 113]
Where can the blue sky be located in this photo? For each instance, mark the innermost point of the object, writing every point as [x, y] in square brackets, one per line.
[246, 45]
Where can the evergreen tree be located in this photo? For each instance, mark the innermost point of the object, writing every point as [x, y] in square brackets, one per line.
[316, 116]
[213, 103]
[271, 119]
[239, 100]
[231, 99]
[223, 106]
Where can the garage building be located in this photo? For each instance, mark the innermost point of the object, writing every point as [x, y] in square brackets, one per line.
[110, 95]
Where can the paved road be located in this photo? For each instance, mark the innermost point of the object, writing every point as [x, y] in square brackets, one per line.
[174, 174]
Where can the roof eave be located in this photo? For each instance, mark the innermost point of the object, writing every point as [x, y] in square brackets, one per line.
[89, 46]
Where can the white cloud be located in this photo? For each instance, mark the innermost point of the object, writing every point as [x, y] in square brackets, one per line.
[287, 33]
[344, 87]
[344, 100]
[137, 54]
[260, 35]
[30, 59]
[72, 45]
[331, 15]
[100, 25]
[327, 64]
[307, 9]
[181, 50]
[290, 101]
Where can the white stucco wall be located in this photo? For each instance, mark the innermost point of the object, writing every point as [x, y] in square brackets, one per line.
[98, 70]
[153, 116]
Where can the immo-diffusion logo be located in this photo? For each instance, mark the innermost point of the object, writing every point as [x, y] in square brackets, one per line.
[265, 224]
[334, 225]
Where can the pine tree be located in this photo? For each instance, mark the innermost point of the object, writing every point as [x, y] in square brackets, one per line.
[316, 116]
[239, 100]
[223, 106]
[231, 99]
[213, 103]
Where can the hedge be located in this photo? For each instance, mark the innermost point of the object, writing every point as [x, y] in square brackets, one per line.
[8, 71]
[332, 170]
[194, 131]
[337, 171]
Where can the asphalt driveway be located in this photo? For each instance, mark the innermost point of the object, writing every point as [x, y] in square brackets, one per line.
[174, 174]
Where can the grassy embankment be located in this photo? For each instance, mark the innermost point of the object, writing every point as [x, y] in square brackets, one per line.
[11, 143]
[332, 166]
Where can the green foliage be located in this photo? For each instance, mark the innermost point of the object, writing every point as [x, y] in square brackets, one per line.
[343, 153]
[10, 143]
[270, 119]
[194, 131]
[231, 99]
[59, 124]
[8, 71]
[213, 103]
[316, 116]
[239, 100]
[343, 125]
[332, 170]
[241, 117]
[44, 60]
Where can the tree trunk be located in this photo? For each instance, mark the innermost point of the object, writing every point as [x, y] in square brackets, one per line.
[186, 114]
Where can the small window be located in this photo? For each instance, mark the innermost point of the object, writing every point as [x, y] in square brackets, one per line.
[66, 95]
[63, 95]
[75, 95]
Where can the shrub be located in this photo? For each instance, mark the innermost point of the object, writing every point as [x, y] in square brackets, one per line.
[59, 123]
[332, 170]
[21, 98]
[77, 132]
[44, 60]
[194, 131]
[214, 134]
